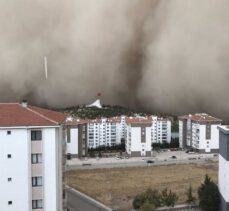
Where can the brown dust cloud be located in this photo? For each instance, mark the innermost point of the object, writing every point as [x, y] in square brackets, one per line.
[164, 56]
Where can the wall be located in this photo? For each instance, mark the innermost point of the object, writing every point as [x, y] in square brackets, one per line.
[17, 168]
[72, 147]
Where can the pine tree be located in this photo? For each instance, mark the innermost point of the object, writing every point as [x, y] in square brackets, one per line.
[209, 197]
[190, 198]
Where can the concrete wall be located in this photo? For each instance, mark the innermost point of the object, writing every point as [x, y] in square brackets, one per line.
[16, 168]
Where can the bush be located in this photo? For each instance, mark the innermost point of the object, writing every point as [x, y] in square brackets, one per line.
[147, 206]
[168, 198]
[209, 197]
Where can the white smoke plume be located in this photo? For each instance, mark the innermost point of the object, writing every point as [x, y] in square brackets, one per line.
[166, 56]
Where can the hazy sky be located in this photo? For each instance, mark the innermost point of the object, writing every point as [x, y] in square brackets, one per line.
[166, 56]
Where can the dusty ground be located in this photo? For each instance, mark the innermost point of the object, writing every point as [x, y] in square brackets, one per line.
[117, 187]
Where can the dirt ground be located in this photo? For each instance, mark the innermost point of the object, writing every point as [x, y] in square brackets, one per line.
[117, 187]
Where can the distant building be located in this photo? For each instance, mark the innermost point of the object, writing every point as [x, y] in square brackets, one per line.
[76, 137]
[199, 131]
[161, 130]
[224, 167]
[138, 136]
[31, 141]
[104, 132]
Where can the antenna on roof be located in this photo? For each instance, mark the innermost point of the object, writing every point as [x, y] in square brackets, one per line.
[46, 67]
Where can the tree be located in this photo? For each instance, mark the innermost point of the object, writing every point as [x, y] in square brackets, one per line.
[209, 197]
[190, 198]
[147, 206]
[168, 198]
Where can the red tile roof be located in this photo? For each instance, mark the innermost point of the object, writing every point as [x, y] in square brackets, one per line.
[136, 120]
[202, 117]
[14, 114]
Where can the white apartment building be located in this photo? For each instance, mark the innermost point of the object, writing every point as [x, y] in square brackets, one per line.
[138, 136]
[161, 130]
[199, 131]
[224, 167]
[104, 132]
[76, 137]
[30, 158]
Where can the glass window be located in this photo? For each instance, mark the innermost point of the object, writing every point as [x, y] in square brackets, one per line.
[36, 158]
[37, 204]
[36, 135]
[36, 181]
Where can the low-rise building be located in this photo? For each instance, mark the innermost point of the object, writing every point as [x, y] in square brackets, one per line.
[138, 136]
[31, 141]
[76, 137]
[224, 167]
[199, 131]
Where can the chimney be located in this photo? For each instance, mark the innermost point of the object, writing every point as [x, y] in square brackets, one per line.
[24, 103]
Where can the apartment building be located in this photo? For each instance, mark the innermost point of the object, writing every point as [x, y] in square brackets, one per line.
[199, 131]
[161, 130]
[224, 167]
[76, 137]
[30, 158]
[138, 136]
[104, 132]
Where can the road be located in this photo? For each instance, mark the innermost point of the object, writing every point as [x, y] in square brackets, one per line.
[160, 159]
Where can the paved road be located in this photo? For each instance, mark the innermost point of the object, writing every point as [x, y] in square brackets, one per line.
[77, 201]
[143, 163]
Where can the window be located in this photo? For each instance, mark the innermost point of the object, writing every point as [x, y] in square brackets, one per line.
[36, 181]
[8, 132]
[10, 202]
[37, 204]
[9, 179]
[9, 156]
[36, 135]
[36, 158]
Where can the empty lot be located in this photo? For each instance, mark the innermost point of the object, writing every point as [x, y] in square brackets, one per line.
[117, 187]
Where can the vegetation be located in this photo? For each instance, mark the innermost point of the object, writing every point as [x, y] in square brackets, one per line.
[147, 206]
[155, 198]
[173, 144]
[107, 111]
[209, 197]
[190, 198]
[168, 197]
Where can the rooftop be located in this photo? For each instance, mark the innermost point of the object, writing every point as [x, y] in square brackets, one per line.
[16, 114]
[200, 117]
[139, 120]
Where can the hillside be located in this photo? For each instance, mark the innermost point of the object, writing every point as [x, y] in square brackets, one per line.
[111, 111]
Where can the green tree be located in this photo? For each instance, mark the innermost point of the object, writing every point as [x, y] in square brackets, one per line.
[189, 194]
[209, 197]
[147, 206]
[168, 198]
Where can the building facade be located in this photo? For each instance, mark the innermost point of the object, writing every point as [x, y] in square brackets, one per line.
[104, 132]
[138, 136]
[199, 131]
[161, 130]
[31, 141]
[224, 167]
[76, 137]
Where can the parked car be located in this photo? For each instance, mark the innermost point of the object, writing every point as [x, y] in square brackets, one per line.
[173, 157]
[150, 161]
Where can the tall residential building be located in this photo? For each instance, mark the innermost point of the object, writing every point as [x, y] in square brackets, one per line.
[161, 130]
[30, 158]
[224, 167]
[104, 132]
[76, 137]
[199, 131]
[138, 136]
